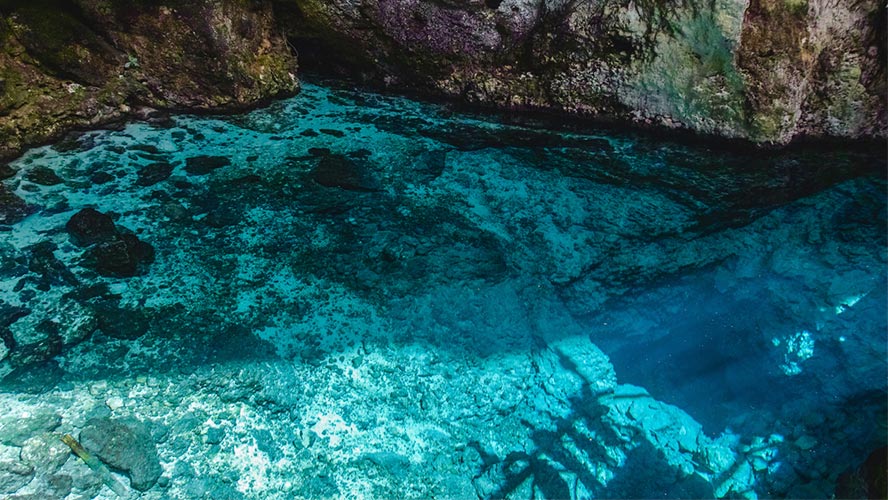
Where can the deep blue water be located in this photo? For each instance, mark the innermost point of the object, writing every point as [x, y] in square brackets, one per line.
[351, 295]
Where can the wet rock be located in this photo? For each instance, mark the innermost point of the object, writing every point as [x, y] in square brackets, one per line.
[124, 256]
[869, 480]
[144, 148]
[393, 463]
[332, 132]
[341, 172]
[17, 427]
[101, 178]
[6, 171]
[89, 226]
[14, 475]
[12, 208]
[114, 252]
[9, 314]
[53, 485]
[11, 261]
[126, 446]
[153, 173]
[211, 488]
[43, 175]
[36, 340]
[45, 452]
[51, 271]
[203, 165]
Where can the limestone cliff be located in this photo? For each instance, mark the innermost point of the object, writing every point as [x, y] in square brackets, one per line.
[764, 70]
[81, 63]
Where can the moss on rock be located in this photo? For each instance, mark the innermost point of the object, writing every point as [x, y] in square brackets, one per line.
[80, 63]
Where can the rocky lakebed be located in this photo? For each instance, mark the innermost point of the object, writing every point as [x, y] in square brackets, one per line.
[352, 295]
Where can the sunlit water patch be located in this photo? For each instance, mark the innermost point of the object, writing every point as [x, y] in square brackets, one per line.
[349, 295]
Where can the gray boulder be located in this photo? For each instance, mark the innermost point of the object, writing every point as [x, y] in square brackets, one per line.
[125, 446]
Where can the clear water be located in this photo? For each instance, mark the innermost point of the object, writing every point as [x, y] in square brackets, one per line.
[377, 298]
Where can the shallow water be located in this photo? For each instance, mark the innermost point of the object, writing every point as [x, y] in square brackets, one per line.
[367, 297]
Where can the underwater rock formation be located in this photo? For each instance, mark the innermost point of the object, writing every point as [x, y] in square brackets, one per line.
[82, 63]
[764, 70]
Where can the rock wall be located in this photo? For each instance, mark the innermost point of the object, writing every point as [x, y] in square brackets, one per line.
[764, 70]
[81, 63]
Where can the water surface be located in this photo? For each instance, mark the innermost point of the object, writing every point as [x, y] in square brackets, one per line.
[361, 296]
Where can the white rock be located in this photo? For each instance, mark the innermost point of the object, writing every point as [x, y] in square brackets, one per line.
[114, 403]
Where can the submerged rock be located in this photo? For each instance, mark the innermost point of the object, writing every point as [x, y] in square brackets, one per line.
[50, 270]
[12, 208]
[89, 226]
[14, 475]
[153, 173]
[203, 165]
[126, 446]
[32, 377]
[125, 256]
[44, 176]
[17, 427]
[340, 171]
[112, 252]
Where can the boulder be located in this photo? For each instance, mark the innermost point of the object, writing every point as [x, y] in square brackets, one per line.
[340, 171]
[125, 446]
[44, 176]
[12, 208]
[112, 252]
[203, 164]
[89, 226]
[124, 256]
[153, 173]
[45, 452]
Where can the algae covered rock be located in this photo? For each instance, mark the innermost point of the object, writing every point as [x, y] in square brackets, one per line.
[111, 252]
[125, 446]
[89, 226]
[12, 208]
[73, 63]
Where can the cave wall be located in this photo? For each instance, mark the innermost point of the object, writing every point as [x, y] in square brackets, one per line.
[82, 63]
[764, 70]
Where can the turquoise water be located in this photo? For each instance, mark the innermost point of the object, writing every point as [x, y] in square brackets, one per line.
[357, 296]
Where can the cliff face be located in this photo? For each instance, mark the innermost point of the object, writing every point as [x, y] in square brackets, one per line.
[765, 70]
[76, 63]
